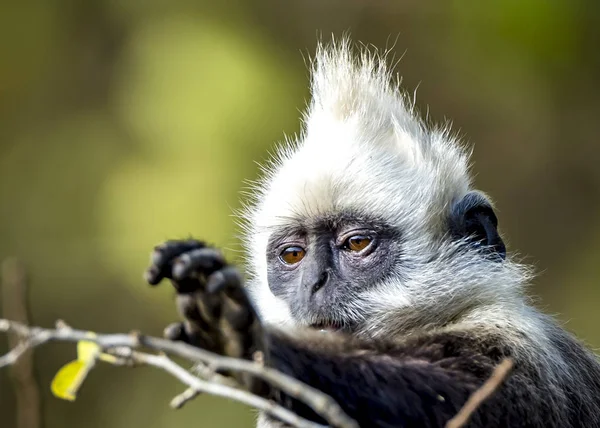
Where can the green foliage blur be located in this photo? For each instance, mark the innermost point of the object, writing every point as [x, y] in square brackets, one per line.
[124, 123]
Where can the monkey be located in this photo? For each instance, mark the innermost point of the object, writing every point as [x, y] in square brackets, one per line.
[376, 272]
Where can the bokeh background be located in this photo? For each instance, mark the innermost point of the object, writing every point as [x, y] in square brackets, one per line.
[124, 122]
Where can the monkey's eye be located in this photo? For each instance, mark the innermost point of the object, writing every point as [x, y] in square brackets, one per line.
[292, 255]
[357, 243]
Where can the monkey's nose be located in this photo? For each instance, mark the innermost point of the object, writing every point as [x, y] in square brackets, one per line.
[320, 282]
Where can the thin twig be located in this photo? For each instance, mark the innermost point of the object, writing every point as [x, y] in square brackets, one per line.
[14, 306]
[180, 400]
[200, 386]
[321, 403]
[490, 386]
[207, 374]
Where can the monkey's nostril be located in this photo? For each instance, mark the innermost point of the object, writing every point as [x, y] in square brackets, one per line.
[321, 282]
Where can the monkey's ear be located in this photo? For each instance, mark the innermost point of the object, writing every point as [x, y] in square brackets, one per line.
[473, 218]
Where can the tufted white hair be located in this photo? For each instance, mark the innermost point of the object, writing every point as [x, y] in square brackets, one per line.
[363, 149]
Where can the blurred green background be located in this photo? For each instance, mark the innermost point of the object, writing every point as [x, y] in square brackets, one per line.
[123, 123]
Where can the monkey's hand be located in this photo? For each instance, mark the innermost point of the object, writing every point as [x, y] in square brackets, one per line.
[217, 314]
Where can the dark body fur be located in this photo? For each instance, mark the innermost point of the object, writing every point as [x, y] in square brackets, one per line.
[424, 381]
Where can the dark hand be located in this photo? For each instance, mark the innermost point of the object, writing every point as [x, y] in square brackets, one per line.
[217, 313]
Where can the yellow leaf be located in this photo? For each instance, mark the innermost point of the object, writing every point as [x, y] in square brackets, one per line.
[87, 351]
[69, 378]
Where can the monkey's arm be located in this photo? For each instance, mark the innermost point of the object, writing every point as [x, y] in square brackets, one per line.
[420, 384]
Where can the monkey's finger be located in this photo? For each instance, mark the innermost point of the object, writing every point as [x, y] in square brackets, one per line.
[203, 261]
[162, 256]
[240, 328]
[190, 334]
[238, 317]
[175, 332]
[200, 309]
[237, 310]
[228, 280]
[209, 306]
[199, 336]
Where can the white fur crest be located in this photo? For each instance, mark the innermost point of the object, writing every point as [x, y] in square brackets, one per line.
[361, 143]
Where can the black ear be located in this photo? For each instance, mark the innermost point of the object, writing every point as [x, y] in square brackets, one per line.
[473, 218]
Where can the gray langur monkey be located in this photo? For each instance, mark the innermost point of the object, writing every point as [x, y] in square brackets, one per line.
[377, 274]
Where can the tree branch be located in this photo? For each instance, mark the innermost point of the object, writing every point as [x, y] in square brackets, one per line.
[125, 347]
[117, 344]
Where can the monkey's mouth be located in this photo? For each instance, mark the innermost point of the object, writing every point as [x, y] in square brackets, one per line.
[328, 326]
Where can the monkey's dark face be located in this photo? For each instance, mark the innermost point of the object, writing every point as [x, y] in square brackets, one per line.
[319, 267]
[324, 269]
